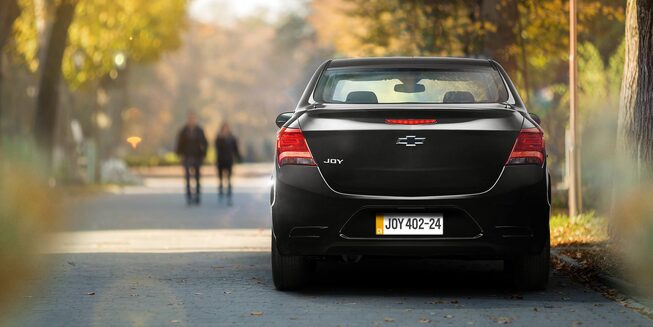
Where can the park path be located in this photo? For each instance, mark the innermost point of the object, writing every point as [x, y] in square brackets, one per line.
[137, 256]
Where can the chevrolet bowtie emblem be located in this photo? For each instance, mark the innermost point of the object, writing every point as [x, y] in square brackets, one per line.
[411, 140]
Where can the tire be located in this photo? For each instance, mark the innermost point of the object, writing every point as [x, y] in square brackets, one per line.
[531, 272]
[289, 272]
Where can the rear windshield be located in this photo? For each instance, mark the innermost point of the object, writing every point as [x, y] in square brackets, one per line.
[391, 85]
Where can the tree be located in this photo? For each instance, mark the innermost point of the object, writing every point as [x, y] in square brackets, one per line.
[48, 96]
[9, 11]
[107, 34]
[90, 40]
[391, 27]
[632, 225]
[636, 105]
[528, 37]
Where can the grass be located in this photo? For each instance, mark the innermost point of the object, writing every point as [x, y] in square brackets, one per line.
[585, 229]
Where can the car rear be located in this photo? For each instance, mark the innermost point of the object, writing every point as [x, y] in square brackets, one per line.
[429, 171]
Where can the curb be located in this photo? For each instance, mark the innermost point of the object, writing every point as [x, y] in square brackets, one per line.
[619, 284]
[609, 280]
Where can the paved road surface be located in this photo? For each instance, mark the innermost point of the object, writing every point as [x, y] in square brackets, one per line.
[140, 257]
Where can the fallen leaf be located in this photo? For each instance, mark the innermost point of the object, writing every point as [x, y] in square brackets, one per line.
[502, 320]
[256, 313]
[424, 321]
[388, 319]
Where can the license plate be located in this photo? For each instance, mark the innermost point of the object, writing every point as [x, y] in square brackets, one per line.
[409, 224]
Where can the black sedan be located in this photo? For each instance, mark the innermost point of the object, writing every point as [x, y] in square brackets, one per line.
[411, 157]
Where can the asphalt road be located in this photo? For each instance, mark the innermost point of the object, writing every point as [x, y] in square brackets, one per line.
[140, 257]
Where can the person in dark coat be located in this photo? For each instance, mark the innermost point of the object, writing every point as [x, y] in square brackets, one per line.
[226, 151]
[191, 147]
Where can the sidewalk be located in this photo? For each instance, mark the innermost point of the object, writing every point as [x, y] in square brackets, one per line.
[163, 241]
[241, 170]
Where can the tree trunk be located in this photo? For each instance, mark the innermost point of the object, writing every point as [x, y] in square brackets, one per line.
[116, 117]
[636, 105]
[522, 51]
[502, 15]
[9, 11]
[48, 97]
[1, 91]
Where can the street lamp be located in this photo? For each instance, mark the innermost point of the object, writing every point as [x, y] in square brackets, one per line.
[134, 141]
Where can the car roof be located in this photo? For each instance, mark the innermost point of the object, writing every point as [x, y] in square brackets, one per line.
[407, 62]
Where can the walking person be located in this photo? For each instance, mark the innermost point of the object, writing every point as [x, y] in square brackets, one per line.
[226, 150]
[191, 147]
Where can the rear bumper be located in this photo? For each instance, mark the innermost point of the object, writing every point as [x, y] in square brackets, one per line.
[510, 219]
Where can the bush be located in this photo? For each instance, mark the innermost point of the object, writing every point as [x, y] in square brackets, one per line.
[167, 159]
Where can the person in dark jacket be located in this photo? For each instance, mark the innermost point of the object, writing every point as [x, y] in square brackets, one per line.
[226, 150]
[191, 147]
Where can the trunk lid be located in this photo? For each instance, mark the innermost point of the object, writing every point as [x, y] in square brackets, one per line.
[357, 152]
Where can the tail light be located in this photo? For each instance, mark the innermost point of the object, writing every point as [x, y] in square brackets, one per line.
[528, 149]
[410, 121]
[292, 148]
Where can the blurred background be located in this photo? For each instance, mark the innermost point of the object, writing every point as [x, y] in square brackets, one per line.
[133, 68]
[94, 91]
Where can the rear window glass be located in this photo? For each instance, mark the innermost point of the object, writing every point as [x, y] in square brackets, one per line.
[387, 85]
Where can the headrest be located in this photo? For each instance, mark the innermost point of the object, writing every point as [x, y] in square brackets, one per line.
[458, 97]
[361, 97]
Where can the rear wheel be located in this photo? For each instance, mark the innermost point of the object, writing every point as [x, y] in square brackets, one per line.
[289, 272]
[531, 272]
